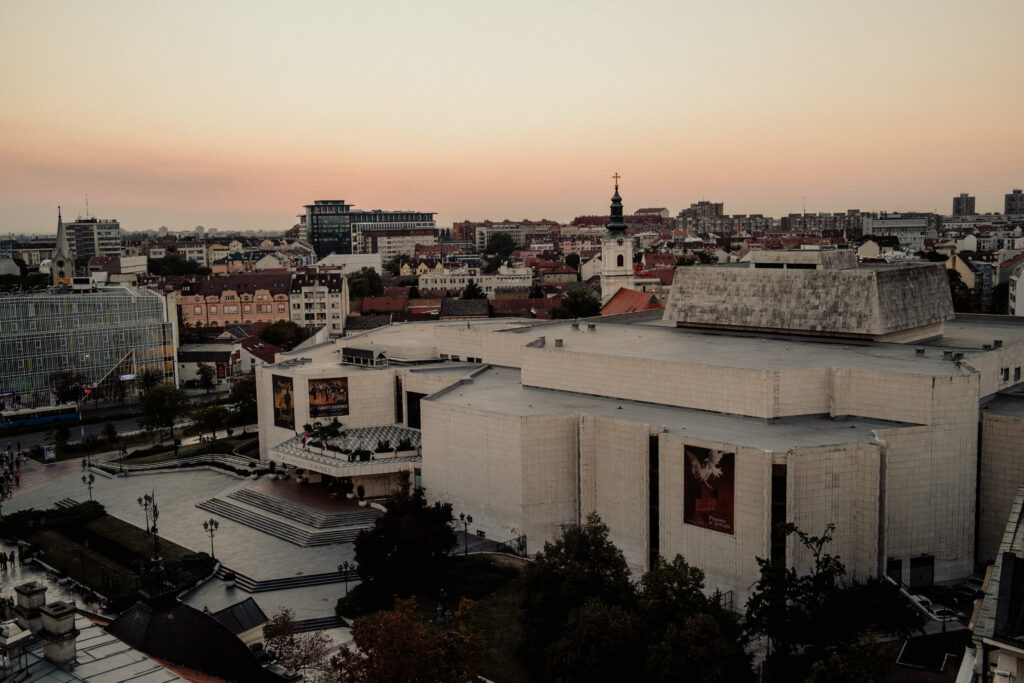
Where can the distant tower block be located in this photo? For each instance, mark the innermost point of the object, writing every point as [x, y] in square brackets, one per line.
[616, 252]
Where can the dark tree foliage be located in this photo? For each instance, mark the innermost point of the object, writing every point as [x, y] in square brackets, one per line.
[500, 246]
[1001, 299]
[573, 260]
[577, 303]
[965, 299]
[403, 551]
[810, 620]
[173, 264]
[161, 406]
[283, 333]
[207, 377]
[68, 386]
[582, 564]
[473, 291]
[394, 266]
[243, 396]
[210, 417]
[365, 282]
[585, 621]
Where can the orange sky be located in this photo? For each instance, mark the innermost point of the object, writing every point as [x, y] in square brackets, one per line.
[235, 115]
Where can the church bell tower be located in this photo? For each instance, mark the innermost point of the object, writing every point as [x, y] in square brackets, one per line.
[62, 265]
[616, 252]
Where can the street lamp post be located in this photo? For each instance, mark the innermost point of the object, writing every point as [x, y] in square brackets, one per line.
[344, 568]
[211, 527]
[148, 502]
[466, 521]
[89, 480]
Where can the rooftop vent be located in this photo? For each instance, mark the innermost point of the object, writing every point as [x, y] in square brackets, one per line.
[986, 347]
[558, 343]
[575, 326]
[997, 344]
[919, 351]
[947, 355]
[958, 356]
[592, 327]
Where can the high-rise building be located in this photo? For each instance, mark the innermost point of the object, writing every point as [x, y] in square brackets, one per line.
[1013, 205]
[963, 205]
[91, 237]
[107, 336]
[333, 227]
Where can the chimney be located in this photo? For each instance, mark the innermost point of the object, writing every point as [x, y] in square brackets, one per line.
[31, 596]
[58, 632]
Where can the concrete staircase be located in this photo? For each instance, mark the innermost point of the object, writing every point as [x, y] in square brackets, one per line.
[251, 585]
[277, 528]
[303, 513]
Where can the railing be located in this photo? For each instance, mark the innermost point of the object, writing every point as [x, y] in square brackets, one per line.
[515, 546]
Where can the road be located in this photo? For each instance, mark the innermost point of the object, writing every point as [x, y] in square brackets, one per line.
[29, 439]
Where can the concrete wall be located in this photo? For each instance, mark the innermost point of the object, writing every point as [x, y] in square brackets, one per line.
[1001, 472]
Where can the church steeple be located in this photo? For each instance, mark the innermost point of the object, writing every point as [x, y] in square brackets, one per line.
[61, 263]
[615, 222]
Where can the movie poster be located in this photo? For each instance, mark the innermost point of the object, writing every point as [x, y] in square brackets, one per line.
[328, 397]
[284, 402]
[709, 488]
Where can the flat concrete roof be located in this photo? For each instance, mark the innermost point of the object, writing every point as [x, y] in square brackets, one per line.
[499, 390]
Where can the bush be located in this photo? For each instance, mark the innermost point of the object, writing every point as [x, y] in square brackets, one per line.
[383, 446]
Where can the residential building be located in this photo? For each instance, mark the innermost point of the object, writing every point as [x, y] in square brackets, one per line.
[235, 299]
[319, 299]
[391, 243]
[225, 359]
[452, 281]
[703, 210]
[1013, 203]
[105, 335]
[911, 228]
[963, 205]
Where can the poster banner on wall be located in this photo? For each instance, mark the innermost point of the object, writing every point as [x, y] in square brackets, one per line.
[709, 488]
[284, 402]
[328, 397]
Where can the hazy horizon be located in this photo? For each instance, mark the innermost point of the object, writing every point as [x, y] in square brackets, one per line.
[235, 115]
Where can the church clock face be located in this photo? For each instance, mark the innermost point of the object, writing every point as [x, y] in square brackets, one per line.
[619, 242]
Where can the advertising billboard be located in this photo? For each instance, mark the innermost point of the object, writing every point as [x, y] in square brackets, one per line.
[709, 488]
[328, 397]
[284, 402]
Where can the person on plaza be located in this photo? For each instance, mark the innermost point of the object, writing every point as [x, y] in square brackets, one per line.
[3, 562]
[17, 479]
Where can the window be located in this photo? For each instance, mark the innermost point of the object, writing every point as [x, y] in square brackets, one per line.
[618, 260]
[280, 308]
[197, 310]
[1016, 374]
[213, 309]
[1006, 374]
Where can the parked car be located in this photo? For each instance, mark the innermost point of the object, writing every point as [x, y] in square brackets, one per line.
[922, 602]
[940, 595]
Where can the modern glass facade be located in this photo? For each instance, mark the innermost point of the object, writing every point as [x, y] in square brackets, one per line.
[107, 336]
[333, 227]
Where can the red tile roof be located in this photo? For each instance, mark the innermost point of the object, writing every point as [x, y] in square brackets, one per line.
[629, 301]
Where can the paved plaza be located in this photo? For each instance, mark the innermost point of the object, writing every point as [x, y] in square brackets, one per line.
[238, 547]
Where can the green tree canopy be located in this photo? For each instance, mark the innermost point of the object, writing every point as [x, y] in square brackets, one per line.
[572, 260]
[394, 266]
[161, 406]
[174, 264]
[365, 282]
[283, 333]
[209, 417]
[68, 386]
[965, 299]
[500, 246]
[577, 303]
[243, 396]
[473, 291]
[207, 376]
[407, 544]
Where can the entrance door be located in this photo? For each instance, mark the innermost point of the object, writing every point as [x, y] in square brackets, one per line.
[922, 571]
[412, 404]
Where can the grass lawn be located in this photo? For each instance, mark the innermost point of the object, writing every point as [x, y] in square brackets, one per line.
[103, 554]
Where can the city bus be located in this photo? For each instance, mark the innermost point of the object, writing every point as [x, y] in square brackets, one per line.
[27, 417]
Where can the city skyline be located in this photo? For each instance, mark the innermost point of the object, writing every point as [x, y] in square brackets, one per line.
[236, 116]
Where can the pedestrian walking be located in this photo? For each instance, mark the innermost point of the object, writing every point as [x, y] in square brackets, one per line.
[17, 479]
[3, 562]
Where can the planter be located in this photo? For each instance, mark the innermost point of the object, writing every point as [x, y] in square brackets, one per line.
[350, 495]
[363, 503]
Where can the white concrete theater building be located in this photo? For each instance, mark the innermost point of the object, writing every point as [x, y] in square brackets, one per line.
[797, 388]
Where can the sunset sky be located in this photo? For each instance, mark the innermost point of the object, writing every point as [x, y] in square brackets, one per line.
[234, 114]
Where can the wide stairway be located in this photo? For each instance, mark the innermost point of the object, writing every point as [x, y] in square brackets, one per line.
[251, 585]
[268, 514]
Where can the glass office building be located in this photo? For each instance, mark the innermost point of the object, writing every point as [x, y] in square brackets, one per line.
[109, 336]
[334, 227]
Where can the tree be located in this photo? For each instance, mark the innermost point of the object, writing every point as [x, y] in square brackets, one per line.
[174, 264]
[68, 386]
[964, 300]
[61, 434]
[598, 642]
[810, 618]
[149, 378]
[305, 652]
[283, 333]
[394, 266]
[207, 376]
[405, 547]
[473, 291]
[110, 432]
[365, 282]
[395, 645]
[582, 564]
[500, 246]
[161, 406]
[243, 396]
[210, 417]
[1001, 299]
[577, 303]
[573, 261]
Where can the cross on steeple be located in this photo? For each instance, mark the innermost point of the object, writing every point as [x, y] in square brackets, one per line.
[616, 177]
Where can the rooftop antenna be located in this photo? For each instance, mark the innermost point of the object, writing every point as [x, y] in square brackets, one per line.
[87, 205]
